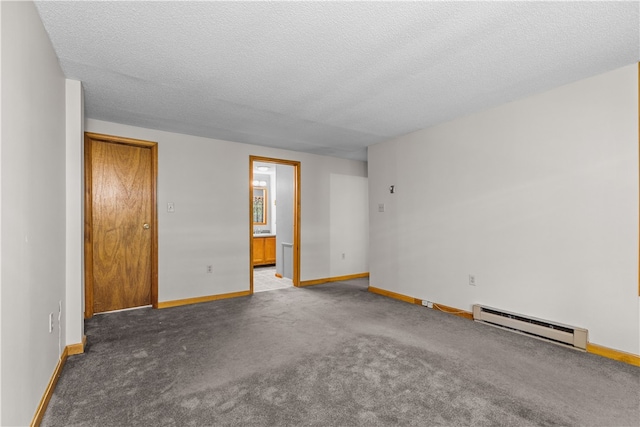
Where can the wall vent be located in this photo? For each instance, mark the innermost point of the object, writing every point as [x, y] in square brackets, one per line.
[556, 332]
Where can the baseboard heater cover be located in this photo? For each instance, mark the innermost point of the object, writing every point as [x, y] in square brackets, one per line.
[564, 334]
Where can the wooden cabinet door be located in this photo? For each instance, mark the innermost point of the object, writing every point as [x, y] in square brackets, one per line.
[270, 250]
[258, 250]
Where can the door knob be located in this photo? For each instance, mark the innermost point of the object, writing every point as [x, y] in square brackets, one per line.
[145, 226]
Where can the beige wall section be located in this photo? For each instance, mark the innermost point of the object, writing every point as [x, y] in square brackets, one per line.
[33, 210]
[537, 198]
[0, 213]
[349, 218]
[74, 213]
[208, 181]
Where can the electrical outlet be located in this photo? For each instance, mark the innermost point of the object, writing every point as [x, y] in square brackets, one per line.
[427, 304]
[472, 280]
[343, 255]
[209, 268]
[50, 322]
[171, 207]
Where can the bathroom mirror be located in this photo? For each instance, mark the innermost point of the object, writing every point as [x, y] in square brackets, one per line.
[259, 206]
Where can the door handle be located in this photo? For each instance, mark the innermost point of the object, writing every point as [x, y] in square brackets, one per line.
[145, 226]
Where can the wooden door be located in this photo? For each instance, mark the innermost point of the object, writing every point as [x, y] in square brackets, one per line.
[121, 235]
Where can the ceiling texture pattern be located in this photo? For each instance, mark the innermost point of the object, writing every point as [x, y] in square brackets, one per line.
[328, 78]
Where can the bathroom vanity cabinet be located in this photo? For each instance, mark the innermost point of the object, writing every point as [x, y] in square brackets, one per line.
[264, 250]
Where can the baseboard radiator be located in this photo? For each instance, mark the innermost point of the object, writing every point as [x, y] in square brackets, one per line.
[556, 332]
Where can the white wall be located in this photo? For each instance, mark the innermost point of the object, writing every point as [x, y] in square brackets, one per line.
[537, 198]
[208, 180]
[348, 212]
[285, 201]
[0, 213]
[33, 210]
[74, 181]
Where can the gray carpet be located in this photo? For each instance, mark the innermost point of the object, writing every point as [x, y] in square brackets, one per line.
[330, 355]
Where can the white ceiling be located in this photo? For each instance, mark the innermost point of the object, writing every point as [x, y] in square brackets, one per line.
[327, 77]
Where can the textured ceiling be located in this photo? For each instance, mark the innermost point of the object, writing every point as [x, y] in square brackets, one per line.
[327, 77]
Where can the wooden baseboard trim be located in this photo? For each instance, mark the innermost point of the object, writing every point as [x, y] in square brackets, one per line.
[313, 282]
[333, 279]
[69, 350]
[418, 301]
[77, 348]
[455, 311]
[187, 301]
[48, 392]
[394, 295]
[610, 353]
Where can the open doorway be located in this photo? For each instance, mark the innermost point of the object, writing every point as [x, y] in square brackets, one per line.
[274, 223]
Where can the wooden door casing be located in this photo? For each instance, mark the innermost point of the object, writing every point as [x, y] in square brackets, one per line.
[296, 216]
[120, 251]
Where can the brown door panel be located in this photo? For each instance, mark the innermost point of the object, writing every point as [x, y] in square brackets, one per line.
[122, 225]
